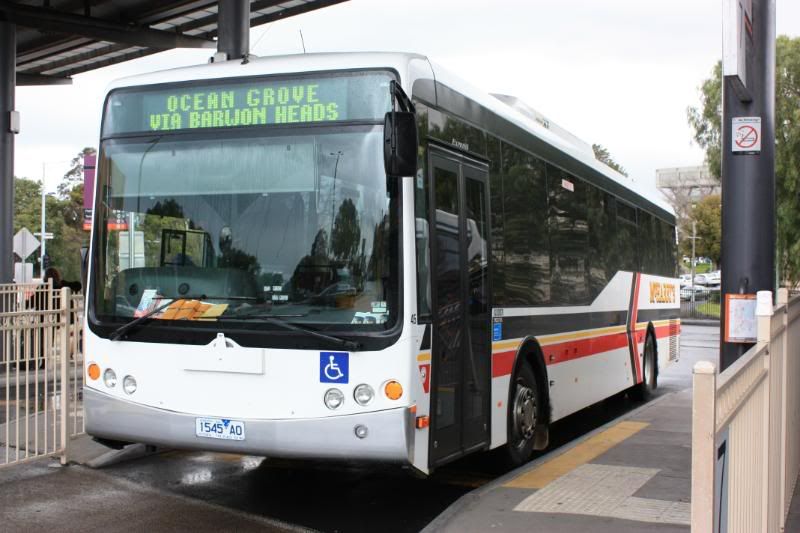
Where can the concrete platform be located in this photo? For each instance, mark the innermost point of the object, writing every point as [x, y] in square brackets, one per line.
[633, 474]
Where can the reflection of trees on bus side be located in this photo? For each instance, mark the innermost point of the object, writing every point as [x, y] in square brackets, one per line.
[527, 268]
[569, 238]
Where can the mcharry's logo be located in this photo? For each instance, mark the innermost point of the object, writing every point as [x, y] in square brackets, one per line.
[662, 293]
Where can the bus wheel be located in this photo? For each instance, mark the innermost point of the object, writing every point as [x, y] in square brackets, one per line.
[523, 416]
[644, 390]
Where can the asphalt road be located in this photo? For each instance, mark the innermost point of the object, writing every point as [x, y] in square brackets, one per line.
[227, 488]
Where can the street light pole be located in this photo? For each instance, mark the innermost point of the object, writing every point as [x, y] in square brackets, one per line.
[44, 228]
[694, 239]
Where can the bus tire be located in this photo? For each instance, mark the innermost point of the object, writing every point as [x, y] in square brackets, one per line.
[524, 414]
[644, 390]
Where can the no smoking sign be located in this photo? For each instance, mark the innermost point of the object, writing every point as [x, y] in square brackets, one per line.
[746, 135]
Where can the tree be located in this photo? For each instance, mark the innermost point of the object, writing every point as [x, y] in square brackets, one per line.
[707, 214]
[74, 176]
[706, 122]
[604, 156]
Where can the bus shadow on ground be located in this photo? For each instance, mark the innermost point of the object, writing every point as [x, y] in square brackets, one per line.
[342, 497]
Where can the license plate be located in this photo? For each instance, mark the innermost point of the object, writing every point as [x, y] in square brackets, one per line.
[219, 428]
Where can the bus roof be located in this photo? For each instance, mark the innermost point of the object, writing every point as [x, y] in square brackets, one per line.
[411, 67]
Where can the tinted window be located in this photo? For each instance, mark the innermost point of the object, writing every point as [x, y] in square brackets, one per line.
[527, 261]
[601, 235]
[626, 242]
[650, 245]
[498, 242]
[669, 250]
[569, 238]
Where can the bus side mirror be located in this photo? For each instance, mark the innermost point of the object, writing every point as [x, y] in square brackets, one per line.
[400, 144]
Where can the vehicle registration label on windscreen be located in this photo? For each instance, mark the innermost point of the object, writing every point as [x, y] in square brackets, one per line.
[219, 428]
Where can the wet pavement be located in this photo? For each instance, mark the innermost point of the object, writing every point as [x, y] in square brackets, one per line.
[177, 490]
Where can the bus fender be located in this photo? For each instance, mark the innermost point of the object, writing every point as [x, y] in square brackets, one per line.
[531, 352]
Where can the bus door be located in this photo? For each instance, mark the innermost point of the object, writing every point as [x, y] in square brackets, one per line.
[461, 321]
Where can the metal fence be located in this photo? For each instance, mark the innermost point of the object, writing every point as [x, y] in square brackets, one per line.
[745, 438]
[706, 304]
[41, 371]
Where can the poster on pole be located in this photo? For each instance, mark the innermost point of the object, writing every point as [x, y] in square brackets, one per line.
[89, 164]
[740, 318]
[746, 135]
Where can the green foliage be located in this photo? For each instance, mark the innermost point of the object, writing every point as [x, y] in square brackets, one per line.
[706, 122]
[708, 216]
[602, 154]
[787, 157]
[64, 218]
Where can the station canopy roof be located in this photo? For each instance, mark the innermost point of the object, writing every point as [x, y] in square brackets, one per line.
[59, 38]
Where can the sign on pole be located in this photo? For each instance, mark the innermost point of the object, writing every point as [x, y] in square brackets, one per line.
[737, 44]
[746, 137]
[25, 243]
[89, 164]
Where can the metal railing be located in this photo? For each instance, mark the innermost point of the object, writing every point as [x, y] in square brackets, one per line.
[706, 304]
[745, 438]
[41, 371]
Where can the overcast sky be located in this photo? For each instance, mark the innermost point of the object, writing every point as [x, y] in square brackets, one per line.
[616, 72]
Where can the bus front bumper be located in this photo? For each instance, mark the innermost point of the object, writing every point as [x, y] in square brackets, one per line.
[389, 433]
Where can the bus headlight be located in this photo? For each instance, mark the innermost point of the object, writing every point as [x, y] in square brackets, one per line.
[363, 394]
[129, 384]
[110, 378]
[333, 398]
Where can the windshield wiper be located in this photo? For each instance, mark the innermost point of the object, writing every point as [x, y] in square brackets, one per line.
[277, 320]
[126, 327]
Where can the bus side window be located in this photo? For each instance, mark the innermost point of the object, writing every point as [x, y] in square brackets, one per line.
[422, 239]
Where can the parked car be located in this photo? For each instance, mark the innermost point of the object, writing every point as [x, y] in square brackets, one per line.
[686, 280]
[700, 293]
[714, 278]
[700, 279]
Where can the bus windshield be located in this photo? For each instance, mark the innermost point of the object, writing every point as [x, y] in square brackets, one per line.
[246, 225]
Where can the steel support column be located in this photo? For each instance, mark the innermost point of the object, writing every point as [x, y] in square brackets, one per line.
[233, 37]
[8, 49]
[748, 181]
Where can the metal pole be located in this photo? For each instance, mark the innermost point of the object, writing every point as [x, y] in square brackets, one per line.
[748, 181]
[233, 37]
[694, 240]
[44, 239]
[8, 50]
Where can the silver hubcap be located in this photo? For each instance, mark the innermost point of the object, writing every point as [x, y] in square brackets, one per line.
[524, 413]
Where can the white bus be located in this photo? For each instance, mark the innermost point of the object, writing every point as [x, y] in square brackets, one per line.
[361, 257]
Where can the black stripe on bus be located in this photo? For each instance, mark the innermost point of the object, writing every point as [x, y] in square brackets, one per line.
[516, 327]
[426, 338]
[651, 315]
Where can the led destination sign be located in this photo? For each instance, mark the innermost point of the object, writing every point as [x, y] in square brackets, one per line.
[257, 102]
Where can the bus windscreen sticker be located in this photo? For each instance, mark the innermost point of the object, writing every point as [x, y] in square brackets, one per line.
[334, 367]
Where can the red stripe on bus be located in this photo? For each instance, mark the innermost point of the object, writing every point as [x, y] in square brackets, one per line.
[503, 362]
[634, 339]
[667, 331]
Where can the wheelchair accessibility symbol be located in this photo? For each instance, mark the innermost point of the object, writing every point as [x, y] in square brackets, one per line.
[334, 367]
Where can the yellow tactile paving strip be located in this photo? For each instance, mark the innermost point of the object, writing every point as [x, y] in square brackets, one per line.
[581, 454]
